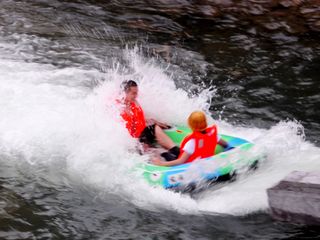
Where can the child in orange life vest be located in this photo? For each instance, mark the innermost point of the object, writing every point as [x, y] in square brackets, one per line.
[200, 144]
[136, 123]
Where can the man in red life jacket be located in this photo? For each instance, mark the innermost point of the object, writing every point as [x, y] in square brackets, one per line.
[136, 123]
[201, 143]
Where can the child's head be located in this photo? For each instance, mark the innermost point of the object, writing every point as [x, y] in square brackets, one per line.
[197, 121]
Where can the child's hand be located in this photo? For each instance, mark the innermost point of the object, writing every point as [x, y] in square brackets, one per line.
[228, 147]
[156, 161]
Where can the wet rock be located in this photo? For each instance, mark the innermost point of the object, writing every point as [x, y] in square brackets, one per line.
[291, 3]
[221, 3]
[312, 16]
[273, 25]
[257, 9]
[310, 11]
[237, 73]
[316, 26]
[164, 51]
[208, 11]
[292, 16]
[170, 2]
[296, 198]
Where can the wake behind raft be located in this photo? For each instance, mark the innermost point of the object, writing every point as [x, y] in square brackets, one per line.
[241, 155]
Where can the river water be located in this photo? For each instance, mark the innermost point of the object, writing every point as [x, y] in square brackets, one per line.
[65, 160]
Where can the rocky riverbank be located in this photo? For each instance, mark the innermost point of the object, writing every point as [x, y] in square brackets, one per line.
[292, 16]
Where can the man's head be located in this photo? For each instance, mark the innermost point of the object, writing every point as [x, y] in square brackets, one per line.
[130, 88]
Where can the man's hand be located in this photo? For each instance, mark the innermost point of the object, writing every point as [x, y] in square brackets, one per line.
[164, 126]
[150, 121]
[160, 124]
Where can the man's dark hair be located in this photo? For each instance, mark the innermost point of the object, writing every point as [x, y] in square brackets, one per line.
[127, 84]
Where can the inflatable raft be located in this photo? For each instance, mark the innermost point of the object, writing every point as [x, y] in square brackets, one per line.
[240, 155]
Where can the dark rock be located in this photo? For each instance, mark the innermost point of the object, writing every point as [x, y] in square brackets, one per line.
[296, 198]
[164, 51]
[291, 3]
[221, 2]
[315, 26]
[273, 25]
[292, 16]
[309, 11]
[312, 17]
[257, 9]
[208, 11]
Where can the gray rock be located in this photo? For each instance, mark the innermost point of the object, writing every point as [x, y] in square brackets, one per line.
[296, 198]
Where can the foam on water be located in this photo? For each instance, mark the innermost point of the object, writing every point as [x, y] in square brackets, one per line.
[48, 117]
[286, 151]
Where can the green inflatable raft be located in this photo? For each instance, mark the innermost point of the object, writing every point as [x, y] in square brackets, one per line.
[240, 155]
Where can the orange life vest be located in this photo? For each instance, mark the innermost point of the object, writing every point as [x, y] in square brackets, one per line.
[134, 118]
[205, 143]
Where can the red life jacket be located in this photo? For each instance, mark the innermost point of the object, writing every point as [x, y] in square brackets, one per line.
[134, 118]
[205, 143]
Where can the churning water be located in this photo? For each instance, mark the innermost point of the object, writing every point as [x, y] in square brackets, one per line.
[65, 156]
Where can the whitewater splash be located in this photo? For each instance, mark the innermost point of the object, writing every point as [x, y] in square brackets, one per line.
[50, 117]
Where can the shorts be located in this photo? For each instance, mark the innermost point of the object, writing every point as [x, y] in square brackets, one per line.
[171, 154]
[148, 135]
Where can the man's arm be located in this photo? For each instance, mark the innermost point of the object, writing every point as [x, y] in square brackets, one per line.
[160, 124]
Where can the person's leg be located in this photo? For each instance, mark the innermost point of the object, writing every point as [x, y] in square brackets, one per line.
[163, 139]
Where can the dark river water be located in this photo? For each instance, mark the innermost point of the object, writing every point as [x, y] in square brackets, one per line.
[64, 161]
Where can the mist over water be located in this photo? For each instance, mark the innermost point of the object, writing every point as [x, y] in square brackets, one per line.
[64, 149]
